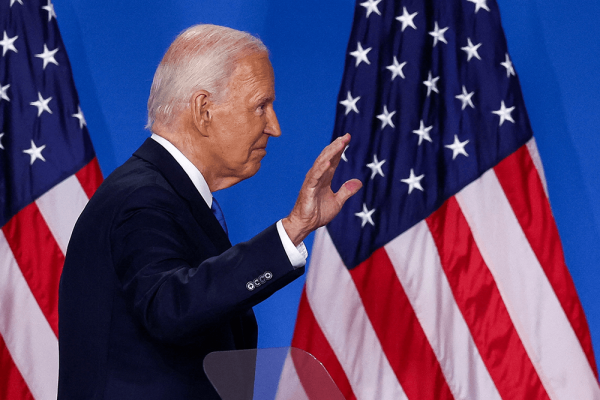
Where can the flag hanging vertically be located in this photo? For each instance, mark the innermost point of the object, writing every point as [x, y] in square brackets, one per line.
[48, 171]
[444, 277]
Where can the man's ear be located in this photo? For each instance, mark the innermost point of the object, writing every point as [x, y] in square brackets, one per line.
[201, 108]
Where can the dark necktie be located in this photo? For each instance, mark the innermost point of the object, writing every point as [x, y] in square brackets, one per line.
[216, 209]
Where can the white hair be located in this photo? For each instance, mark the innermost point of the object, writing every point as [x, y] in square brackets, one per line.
[203, 57]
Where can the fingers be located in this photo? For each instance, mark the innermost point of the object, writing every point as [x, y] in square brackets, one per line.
[348, 189]
[335, 149]
[344, 140]
[330, 156]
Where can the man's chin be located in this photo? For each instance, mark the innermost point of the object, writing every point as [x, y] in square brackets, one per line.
[251, 169]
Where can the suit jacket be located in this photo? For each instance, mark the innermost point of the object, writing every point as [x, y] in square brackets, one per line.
[151, 285]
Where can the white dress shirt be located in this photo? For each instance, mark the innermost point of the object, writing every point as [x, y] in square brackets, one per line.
[296, 254]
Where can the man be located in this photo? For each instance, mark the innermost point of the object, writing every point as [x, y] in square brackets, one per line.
[151, 284]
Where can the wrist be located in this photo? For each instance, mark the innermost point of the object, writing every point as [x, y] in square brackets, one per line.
[295, 230]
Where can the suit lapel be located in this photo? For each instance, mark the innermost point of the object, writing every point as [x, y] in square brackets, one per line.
[157, 155]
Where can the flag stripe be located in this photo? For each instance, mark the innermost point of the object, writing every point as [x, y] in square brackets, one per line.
[537, 161]
[339, 312]
[26, 332]
[60, 207]
[527, 198]
[398, 329]
[38, 257]
[12, 385]
[481, 305]
[531, 302]
[314, 378]
[90, 177]
[428, 290]
[308, 336]
[290, 386]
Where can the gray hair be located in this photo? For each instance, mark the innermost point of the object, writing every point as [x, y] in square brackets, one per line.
[203, 57]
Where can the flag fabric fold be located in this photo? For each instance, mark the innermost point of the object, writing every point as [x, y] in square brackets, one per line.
[444, 276]
[48, 171]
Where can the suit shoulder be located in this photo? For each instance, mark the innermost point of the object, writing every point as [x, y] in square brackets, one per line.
[133, 174]
[136, 183]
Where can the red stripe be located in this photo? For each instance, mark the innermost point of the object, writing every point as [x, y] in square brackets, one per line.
[12, 385]
[481, 305]
[521, 183]
[309, 337]
[90, 177]
[397, 327]
[39, 258]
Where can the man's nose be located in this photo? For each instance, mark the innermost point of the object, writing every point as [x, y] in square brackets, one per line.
[272, 127]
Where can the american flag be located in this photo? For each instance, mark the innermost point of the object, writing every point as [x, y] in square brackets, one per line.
[444, 276]
[48, 171]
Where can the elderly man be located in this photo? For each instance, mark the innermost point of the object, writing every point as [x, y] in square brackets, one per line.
[151, 284]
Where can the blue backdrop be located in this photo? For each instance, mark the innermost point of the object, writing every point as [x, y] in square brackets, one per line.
[115, 45]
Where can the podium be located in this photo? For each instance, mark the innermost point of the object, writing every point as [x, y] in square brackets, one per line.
[284, 373]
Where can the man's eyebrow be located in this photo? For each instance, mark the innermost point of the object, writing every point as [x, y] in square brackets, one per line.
[265, 99]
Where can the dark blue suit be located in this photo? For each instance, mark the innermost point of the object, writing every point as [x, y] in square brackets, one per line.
[151, 285]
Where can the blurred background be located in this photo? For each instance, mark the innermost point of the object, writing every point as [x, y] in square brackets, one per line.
[115, 45]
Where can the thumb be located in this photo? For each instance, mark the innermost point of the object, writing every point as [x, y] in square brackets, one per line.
[348, 190]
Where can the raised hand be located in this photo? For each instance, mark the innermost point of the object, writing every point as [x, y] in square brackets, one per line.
[317, 204]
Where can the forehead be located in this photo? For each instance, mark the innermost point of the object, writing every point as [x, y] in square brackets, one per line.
[253, 76]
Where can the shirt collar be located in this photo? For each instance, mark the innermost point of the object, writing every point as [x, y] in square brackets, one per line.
[189, 168]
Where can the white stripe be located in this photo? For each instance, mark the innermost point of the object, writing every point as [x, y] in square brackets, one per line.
[418, 267]
[315, 378]
[60, 207]
[290, 387]
[537, 161]
[340, 313]
[532, 304]
[26, 332]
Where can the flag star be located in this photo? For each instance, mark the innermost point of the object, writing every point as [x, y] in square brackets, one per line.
[413, 182]
[466, 98]
[35, 153]
[3, 92]
[396, 69]
[361, 54]
[48, 56]
[438, 34]
[471, 50]
[480, 4]
[431, 84]
[365, 216]
[42, 104]
[15, 1]
[50, 9]
[457, 147]
[423, 132]
[1, 146]
[371, 6]
[407, 19]
[80, 117]
[375, 166]
[344, 153]
[8, 43]
[386, 118]
[350, 103]
[504, 113]
[510, 70]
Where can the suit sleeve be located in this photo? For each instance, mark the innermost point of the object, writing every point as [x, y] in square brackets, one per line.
[171, 275]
